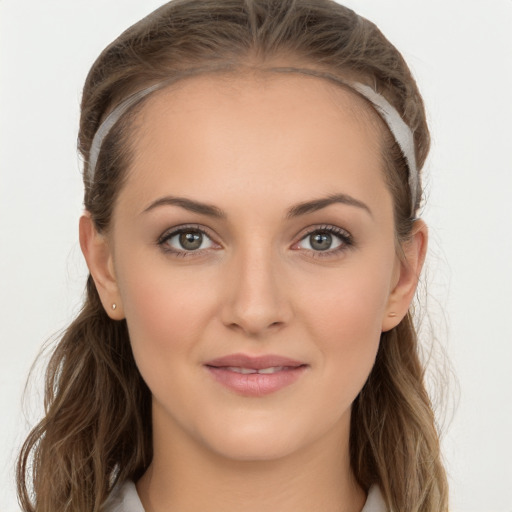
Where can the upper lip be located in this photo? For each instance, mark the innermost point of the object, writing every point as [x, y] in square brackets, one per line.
[253, 362]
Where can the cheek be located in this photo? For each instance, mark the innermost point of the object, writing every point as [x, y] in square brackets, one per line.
[166, 309]
[350, 303]
[349, 334]
[345, 319]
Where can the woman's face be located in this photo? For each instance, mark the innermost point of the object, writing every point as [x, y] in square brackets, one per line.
[253, 250]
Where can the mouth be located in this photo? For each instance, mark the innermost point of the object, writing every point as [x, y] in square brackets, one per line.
[255, 376]
[262, 371]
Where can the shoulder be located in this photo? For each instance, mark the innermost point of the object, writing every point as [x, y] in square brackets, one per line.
[375, 502]
[124, 498]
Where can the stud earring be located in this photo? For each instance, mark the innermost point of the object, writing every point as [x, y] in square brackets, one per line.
[114, 306]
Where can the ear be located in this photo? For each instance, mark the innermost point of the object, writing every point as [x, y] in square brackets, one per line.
[98, 255]
[407, 272]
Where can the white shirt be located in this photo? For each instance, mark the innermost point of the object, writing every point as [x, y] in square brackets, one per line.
[126, 499]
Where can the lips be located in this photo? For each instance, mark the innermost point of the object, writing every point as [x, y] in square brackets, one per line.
[247, 371]
[255, 376]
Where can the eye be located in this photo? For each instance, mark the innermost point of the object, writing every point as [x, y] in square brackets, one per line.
[186, 240]
[327, 239]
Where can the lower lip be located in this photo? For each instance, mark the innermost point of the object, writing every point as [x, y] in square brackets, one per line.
[256, 384]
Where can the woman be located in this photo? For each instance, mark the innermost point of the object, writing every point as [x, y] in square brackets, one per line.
[251, 174]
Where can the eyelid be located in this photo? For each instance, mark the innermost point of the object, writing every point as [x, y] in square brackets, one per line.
[343, 235]
[331, 228]
[345, 238]
[176, 230]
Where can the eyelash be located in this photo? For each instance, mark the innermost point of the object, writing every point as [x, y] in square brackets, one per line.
[345, 239]
[189, 228]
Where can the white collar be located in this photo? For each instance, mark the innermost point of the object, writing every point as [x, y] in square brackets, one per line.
[126, 499]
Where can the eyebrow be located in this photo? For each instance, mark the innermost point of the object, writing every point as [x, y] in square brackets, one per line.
[188, 204]
[319, 204]
[296, 211]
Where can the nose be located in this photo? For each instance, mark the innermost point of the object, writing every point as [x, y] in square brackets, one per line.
[256, 294]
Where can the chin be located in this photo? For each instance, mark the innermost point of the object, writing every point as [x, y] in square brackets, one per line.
[269, 439]
[264, 447]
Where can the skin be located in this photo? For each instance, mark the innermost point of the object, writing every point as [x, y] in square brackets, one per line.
[255, 147]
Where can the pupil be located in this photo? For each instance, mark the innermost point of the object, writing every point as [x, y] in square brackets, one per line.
[321, 241]
[191, 240]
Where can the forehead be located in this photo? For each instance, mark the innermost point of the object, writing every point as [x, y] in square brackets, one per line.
[263, 90]
[255, 129]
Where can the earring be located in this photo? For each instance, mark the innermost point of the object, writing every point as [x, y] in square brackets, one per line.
[114, 306]
[392, 314]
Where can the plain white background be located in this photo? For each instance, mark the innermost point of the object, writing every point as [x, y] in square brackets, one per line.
[461, 54]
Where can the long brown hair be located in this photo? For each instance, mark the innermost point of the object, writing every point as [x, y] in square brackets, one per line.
[97, 425]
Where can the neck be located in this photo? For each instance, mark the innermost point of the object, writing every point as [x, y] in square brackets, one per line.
[185, 475]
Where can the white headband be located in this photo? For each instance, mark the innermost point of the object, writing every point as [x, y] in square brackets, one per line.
[397, 126]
